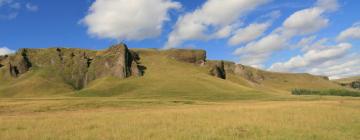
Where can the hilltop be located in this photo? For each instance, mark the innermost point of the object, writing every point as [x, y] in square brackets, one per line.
[145, 73]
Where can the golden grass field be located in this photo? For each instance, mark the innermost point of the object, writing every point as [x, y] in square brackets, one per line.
[315, 118]
[174, 100]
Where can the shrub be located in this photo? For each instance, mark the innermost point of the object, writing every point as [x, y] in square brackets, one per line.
[327, 92]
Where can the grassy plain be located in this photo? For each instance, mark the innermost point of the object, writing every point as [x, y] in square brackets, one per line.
[310, 117]
[174, 100]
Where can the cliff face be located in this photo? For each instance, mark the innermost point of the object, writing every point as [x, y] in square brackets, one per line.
[76, 66]
[217, 69]
[190, 56]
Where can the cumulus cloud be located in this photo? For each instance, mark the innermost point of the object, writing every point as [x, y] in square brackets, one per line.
[300, 23]
[130, 20]
[5, 51]
[328, 5]
[259, 51]
[312, 58]
[209, 19]
[264, 45]
[350, 33]
[339, 68]
[305, 21]
[13, 8]
[249, 33]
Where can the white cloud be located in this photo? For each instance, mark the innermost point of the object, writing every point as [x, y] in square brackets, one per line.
[305, 21]
[130, 20]
[264, 45]
[254, 60]
[350, 33]
[12, 8]
[213, 16]
[249, 33]
[328, 5]
[312, 58]
[256, 52]
[31, 7]
[300, 23]
[339, 68]
[5, 51]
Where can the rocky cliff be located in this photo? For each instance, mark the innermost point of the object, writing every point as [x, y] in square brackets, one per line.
[77, 67]
[80, 67]
[186, 55]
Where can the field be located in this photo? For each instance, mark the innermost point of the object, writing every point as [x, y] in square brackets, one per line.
[175, 100]
[306, 117]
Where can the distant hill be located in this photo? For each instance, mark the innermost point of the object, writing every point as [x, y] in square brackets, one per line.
[351, 82]
[142, 73]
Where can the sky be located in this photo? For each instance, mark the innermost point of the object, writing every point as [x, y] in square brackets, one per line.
[320, 37]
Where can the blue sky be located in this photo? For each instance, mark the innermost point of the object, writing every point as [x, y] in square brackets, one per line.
[274, 42]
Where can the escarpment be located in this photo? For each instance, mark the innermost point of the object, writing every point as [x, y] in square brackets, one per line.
[71, 68]
[217, 69]
[185, 55]
[77, 67]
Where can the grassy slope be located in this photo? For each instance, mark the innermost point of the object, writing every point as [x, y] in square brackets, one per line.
[164, 78]
[36, 83]
[282, 83]
[347, 80]
[138, 111]
[167, 78]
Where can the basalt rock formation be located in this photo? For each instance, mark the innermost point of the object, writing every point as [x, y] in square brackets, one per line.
[80, 67]
[77, 67]
[217, 69]
[185, 55]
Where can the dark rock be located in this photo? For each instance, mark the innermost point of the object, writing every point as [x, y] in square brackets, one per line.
[20, 63]
[248, 73]
[78, 67]
[185, 55]
[217, 69]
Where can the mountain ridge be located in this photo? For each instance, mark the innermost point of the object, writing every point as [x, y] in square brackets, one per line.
[143, 72]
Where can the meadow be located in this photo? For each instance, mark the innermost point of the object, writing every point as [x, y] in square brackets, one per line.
[310, 117]
[175, 100]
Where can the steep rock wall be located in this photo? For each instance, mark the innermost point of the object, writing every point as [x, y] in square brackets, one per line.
[185, 55]
[77, 66]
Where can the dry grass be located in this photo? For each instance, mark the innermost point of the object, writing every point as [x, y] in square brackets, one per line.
[130, 119]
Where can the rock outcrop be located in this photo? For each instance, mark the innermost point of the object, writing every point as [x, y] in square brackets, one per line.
[19, 63]
[250, 74]
[217, 69]
[77, 67]
[185, 55]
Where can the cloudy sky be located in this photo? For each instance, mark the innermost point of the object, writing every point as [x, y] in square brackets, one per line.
[320, 37]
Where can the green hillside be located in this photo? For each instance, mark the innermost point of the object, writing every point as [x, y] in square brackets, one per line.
[171, 74]
[168, 78]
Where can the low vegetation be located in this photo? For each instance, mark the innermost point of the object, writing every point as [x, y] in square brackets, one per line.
[113, 118]
[327, 92]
